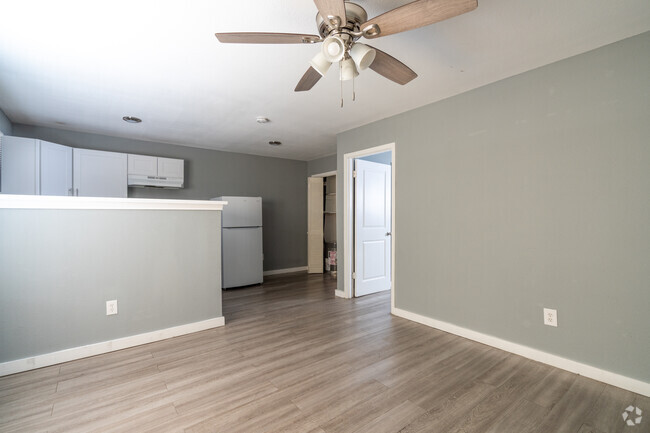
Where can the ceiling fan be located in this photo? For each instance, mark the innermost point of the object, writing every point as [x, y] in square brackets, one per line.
[341, 23]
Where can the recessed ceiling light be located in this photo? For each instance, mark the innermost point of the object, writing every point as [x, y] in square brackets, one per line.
[261, 119]
[275, 143]
[131, 119]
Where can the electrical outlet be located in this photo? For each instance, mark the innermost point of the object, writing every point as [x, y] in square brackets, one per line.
[111, 307]
[550, 317]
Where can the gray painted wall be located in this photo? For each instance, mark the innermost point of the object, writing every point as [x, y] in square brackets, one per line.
[281, 183]
[5, 124]
[59, 267]
[321, 165]
[380, 158]
[527, 193]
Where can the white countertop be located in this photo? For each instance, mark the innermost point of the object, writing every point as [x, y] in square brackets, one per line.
[12, 201]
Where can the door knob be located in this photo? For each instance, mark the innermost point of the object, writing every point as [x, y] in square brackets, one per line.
[388, 233]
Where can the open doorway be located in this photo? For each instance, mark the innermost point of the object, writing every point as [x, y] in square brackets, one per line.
[368, 232]
[321, 223]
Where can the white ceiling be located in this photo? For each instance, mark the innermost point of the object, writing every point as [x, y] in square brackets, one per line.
[82, 65]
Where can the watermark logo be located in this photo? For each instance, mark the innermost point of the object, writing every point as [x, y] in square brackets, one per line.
[632, 415]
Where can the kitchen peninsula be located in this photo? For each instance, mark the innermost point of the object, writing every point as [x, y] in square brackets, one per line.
[63, 258]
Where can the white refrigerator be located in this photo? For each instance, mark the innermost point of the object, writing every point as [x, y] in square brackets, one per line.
[241, 241]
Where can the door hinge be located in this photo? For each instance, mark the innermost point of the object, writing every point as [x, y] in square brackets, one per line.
[354, 174]
[354, 275]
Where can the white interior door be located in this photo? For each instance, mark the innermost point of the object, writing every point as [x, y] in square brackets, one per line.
[315, 225]
[372, 227]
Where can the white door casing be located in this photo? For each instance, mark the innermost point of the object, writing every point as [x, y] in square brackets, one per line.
[372, 224]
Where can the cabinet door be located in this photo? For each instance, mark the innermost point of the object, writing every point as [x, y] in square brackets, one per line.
[99, 174]
[168, 167]
[19, 173]
[143, 165]
[56, 169]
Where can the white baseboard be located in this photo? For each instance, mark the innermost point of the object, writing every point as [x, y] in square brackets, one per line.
[340, 293]
[285, 271]
[38, 361]
[589, 371]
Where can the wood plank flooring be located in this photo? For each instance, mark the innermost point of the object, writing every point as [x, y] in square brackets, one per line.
[293, 358]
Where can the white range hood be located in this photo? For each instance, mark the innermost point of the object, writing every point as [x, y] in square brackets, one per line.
[139, 180]
[155, 172]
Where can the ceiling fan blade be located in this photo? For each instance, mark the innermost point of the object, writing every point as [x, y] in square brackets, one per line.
[416, 14]
[308, 80]
[391, 68]
[266, 38]
[332, 8]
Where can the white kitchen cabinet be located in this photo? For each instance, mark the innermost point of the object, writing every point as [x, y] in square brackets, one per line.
[153, 171]
[99, 174]
[20, 165]
[56, 169]
[142, 165]
[168, 167]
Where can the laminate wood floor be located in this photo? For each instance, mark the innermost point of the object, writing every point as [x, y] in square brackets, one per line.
[293, 358]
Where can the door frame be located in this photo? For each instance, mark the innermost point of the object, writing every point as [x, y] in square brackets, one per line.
[326, 174]
[318, 175]
[348, 219]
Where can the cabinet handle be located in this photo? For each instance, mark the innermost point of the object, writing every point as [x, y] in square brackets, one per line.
[77, 192]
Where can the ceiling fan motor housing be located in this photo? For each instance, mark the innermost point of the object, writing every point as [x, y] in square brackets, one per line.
[338, 39]
[355, 16]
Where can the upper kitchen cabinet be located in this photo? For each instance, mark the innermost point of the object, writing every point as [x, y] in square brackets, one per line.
[142, 165]
[19, 165]
[56, 169]
[32, 166]
[152, 171]
[99, 174]
[168, 167]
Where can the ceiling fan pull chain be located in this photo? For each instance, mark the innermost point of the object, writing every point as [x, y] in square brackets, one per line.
[340, 72]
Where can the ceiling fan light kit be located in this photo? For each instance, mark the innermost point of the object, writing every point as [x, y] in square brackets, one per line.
[340, 24]
[320, 63]
[348, 69]
[362, 55]
[334, 48]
